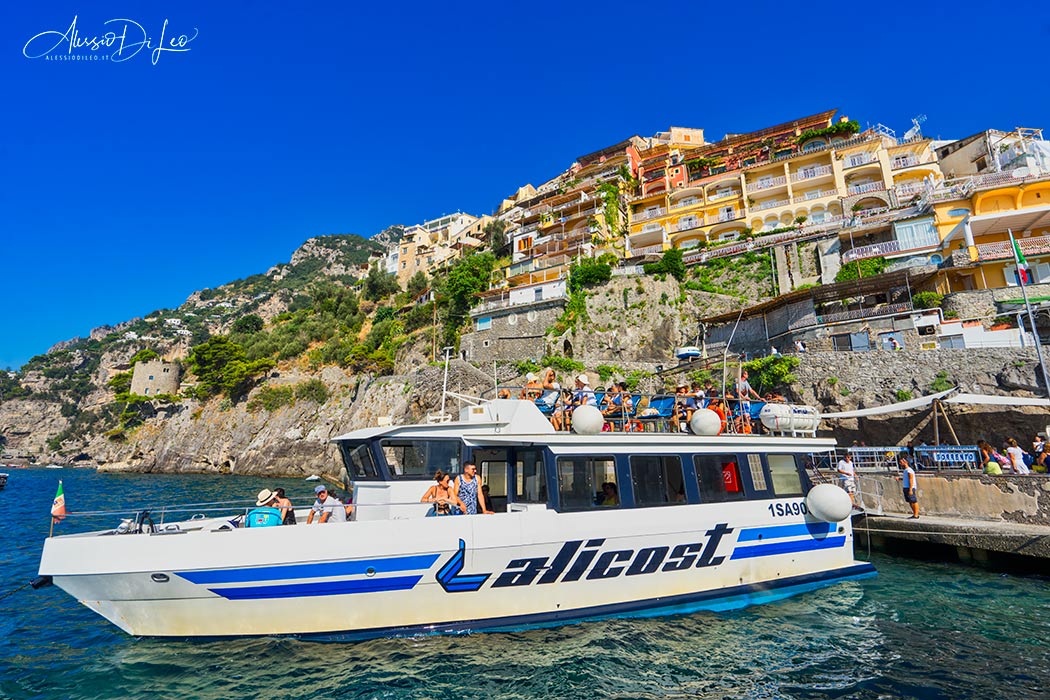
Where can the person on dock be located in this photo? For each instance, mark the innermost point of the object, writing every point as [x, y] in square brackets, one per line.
[1016, 456]
[911, 491]
[848, 477]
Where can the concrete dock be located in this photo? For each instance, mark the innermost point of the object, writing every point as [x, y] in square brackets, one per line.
[996, 544]
[1001, 522]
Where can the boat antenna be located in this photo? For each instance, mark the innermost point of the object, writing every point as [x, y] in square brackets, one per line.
[444, 385]
[725, 353]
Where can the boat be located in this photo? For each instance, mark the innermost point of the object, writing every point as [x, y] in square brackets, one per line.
[688, 352]
[54, 466]
[588, 525]
[312, 477]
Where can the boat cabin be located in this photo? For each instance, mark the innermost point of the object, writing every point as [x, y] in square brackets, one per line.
[527, 465]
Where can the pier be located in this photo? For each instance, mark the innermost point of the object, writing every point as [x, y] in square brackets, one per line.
[1000, 522]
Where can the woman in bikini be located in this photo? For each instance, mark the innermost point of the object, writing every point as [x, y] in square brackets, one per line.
[442, 495]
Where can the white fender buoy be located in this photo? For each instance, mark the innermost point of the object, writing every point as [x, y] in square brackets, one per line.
[828, 503]
[587, 420]
[705, 422]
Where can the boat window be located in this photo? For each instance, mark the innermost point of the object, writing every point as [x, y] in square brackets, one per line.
[419, 459]
[587, 482]
[494, 475]
[784, 474]
[531, 477]
[657, 480]
[357, 457]
[718, 477]
[758, 474]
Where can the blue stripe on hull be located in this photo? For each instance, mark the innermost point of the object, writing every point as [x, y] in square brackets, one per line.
[817, 530]
[290, 571]
[763, 550]
[720, 599]
[717, 600]
[297, 590]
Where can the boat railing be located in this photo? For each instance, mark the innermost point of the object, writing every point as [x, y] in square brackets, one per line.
[645, 412]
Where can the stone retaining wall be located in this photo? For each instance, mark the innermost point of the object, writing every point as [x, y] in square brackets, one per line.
[1017, 499]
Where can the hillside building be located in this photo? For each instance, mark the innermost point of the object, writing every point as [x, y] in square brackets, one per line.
[152, 377]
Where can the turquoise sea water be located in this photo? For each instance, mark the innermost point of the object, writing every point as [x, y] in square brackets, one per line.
[918, 630]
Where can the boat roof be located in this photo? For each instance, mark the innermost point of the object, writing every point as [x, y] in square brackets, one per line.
[510, 422]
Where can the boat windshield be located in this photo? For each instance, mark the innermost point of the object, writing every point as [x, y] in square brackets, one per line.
[359, 461]
[420, 459]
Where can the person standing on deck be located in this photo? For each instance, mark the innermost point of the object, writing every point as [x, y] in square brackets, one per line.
[911, 490]
[467, 488]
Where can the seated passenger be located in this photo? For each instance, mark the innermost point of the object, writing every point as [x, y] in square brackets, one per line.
[264, 514]
[327, 508]
[610, 495]
[684, 404]
[551, 388]
[444, 498]
[584, 395]
[562, 411]
[532, 389]
[503, 394]
[285, 506]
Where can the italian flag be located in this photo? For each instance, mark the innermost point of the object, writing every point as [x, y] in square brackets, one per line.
[1024, 275]
[58, 506]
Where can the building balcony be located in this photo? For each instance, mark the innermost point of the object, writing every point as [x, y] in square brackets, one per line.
[905, 162]
[812, 173]
[687, 202]
[767, 183]
[909, 190]
[856, 161]
[1002, 250]
[870, 312]
[648, 214]
[689, 224]
[866, 187]
[894, 247]
[813, 195]
[647, 250]
[715, 196]
[724, 216]
[772, 204]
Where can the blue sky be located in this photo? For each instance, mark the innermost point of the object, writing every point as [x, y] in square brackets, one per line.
[125, 186]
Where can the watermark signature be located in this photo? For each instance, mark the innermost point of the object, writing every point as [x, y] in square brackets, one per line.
[122, 42]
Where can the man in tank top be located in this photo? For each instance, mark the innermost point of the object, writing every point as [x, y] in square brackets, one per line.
[468, 487]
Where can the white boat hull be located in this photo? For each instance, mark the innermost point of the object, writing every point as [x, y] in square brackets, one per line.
[387, 577]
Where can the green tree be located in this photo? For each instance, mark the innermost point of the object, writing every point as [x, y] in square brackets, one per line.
[380, 284]
[496, 231]
[671, 264]
[468, 277]
[771, 372]
[868, 267]
[221, 367]
[417, 284]
[252, 323]
[588, 272]
[144, 355]
[927, 300]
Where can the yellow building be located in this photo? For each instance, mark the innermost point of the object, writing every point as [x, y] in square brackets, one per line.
[975, 216]
[813, 173]
[434, 244]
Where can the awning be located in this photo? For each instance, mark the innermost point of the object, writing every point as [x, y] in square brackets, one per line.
[909, 405]
[986, 400]
[923, 401]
